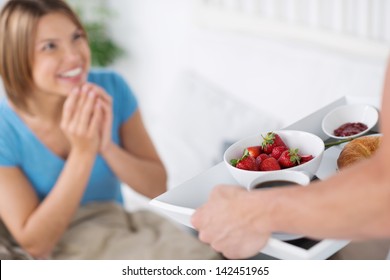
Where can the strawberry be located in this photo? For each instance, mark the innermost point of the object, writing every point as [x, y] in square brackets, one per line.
[258, 162]
[289, 158]
[306, 158]
[269, 164]
[277, 151]
[263, 156]
[270, 141]
[259, 159]
[254, 151]
[246, 162]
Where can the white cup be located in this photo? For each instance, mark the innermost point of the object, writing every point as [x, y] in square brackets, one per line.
[280, 179]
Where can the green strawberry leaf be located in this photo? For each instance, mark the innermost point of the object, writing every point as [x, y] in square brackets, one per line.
[234, 162]
[268, 139]
[294, 156]
[245, 154]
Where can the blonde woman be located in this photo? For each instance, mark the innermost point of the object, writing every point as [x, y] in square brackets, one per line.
[68, 136]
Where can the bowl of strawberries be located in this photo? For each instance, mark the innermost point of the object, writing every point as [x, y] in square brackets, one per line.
[274, 151]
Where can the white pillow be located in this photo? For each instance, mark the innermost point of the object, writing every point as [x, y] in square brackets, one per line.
[197, 121]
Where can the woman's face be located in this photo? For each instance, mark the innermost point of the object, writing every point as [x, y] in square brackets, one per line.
[61, 57]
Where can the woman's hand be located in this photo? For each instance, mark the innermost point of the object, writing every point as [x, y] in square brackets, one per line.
[229, 222]
[106, 106]
[81, 120]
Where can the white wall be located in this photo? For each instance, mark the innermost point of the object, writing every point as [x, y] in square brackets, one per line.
[155, 35]
[285, 79]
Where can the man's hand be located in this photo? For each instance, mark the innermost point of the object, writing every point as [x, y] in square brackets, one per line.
[229, 222]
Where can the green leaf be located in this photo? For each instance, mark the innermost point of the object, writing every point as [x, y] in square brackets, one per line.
[268, 139]
[104, 50]
[294, 156]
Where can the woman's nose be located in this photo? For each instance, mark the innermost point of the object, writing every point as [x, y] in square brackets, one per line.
[72, 53]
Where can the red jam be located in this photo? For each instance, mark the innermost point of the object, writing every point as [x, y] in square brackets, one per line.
[349, 129]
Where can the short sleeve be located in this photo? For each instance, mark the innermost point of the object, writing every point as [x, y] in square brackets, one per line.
[125, 103]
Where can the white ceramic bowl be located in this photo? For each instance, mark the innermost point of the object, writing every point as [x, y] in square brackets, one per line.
[353, 113]
[307, 143]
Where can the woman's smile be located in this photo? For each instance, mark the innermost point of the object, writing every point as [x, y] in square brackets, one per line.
[73, 76]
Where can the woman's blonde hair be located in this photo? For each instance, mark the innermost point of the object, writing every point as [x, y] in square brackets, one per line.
[18, 24]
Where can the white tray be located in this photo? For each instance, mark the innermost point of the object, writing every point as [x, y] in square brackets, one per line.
[180, 202]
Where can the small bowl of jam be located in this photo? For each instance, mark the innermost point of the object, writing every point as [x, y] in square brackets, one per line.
[350, 121]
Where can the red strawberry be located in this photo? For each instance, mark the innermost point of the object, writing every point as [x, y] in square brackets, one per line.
[306, 158]
[269, 164]
[289, 158]
[277, 151]
[254, 151]
[270, 141]
[263, 156]
[258, 162]
[259, 159]
[246, 162]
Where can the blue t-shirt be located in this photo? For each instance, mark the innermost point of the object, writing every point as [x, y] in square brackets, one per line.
[19, 147]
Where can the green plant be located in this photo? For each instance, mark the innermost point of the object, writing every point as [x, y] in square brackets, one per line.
[104, 50]
[94, 16]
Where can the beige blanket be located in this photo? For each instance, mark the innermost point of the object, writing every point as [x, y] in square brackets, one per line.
[107, 231]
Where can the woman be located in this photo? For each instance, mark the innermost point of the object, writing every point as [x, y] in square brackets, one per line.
[68, 136]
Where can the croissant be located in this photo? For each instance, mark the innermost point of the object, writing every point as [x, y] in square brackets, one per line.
[357, 150]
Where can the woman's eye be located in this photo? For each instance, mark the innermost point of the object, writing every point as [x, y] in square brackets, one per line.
[78, 36]
[49, 46]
